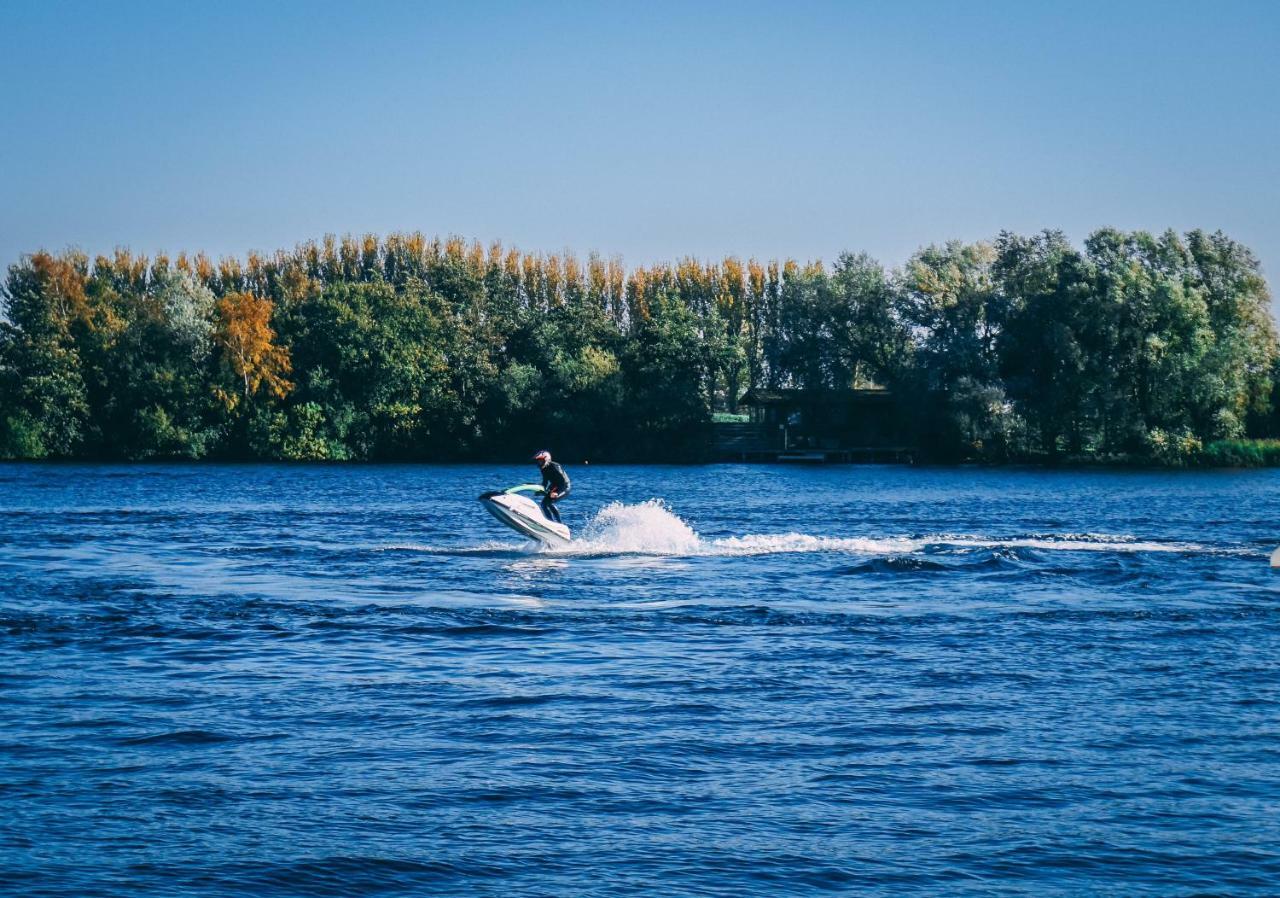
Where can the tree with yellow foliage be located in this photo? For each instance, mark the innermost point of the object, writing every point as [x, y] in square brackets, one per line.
[248, 346]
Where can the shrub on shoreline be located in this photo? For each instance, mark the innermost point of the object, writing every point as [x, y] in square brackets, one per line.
[1241, 454]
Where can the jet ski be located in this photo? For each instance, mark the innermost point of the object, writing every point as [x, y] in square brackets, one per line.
[525, 516]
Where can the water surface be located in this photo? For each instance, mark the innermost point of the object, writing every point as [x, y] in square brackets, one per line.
[266, 680]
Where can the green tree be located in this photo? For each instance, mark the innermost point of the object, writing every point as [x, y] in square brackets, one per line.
[1045, 288]
[1150, 341]
[1240, 361]
[871, 339]
[374, 375]
[665, 388]
[44, 411]
[949, 300]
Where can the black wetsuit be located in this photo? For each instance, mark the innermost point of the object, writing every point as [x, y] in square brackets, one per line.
[553, 478]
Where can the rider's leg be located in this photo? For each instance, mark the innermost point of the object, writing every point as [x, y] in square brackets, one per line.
[549, 509]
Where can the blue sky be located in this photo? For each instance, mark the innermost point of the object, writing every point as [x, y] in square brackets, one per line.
[647, 130]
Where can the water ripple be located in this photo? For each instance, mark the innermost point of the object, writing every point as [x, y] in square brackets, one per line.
[233, 680]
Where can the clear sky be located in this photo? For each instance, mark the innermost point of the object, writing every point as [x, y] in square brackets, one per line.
[650, 130]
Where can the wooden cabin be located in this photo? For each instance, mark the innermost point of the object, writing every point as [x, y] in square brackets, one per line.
[816, 425]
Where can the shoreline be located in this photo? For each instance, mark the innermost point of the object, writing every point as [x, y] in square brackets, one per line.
[1029, 465]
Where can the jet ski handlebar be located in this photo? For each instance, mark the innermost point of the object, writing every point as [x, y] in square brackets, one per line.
[535, 488]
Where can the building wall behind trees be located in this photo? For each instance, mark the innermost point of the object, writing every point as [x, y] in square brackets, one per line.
[409, 348]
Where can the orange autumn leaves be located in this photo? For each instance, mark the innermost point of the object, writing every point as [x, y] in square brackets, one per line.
[243, 326]
[249, 348]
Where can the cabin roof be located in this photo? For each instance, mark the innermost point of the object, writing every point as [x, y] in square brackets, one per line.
[793, 396]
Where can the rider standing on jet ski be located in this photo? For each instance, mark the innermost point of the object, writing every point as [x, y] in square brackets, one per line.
[555, 484]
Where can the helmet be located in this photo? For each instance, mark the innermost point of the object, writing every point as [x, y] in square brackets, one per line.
[542, 457]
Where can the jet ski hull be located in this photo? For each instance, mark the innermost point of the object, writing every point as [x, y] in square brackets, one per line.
[525, 516]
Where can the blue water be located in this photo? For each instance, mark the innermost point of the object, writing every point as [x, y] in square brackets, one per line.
[861, 680]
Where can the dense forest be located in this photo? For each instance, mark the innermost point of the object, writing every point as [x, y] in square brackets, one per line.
[1135, 346]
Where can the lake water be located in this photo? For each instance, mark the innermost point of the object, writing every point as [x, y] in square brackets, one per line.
[266, 680]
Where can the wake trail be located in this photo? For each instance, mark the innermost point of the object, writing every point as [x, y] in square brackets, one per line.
[651, 528]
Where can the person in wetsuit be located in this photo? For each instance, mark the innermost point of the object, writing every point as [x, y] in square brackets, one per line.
[555, 484]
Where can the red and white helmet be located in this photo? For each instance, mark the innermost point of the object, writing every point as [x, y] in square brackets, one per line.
[542, 457]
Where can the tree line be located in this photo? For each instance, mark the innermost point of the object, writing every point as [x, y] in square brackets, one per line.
[1133, 346]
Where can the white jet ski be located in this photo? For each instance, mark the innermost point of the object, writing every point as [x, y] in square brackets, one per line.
[525, 516]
